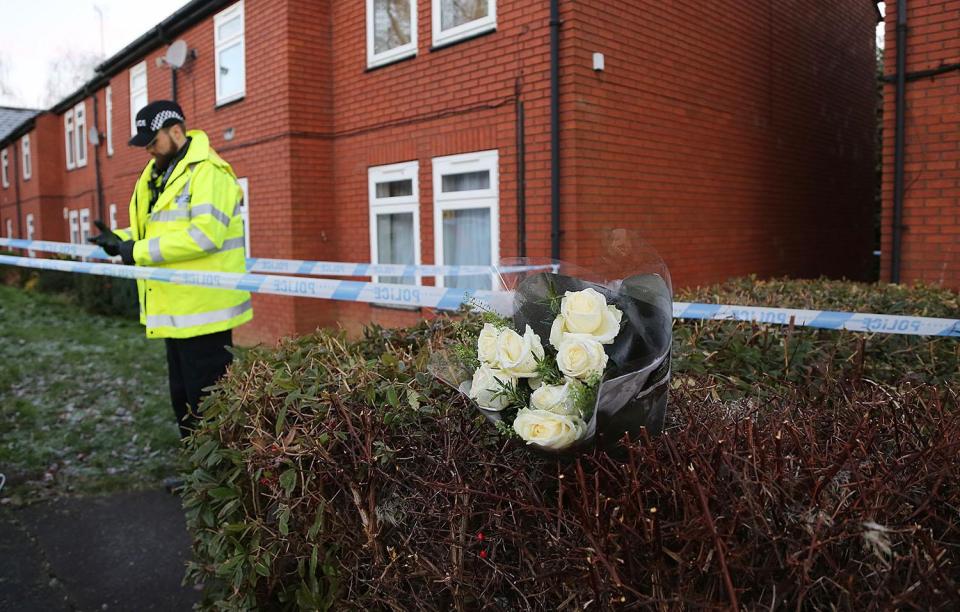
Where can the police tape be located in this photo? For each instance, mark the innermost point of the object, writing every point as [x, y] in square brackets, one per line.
[292, 266]
[821, 319]
[441, 298]
[499, 301]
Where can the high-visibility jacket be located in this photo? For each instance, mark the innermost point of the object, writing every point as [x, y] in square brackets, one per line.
[195, 224]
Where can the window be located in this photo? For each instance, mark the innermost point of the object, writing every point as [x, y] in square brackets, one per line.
[455, 20]
[4, 164]
[466, 221]
[80, 124]
[113, 216]
[138, 93]
[391, 30]
[230, 68]
[25, 156]
[69, 147]
[395, 218]
[245, 213]
[74, 227]
[30, 233]
[84, 225]
[109, 110]
[9, 228]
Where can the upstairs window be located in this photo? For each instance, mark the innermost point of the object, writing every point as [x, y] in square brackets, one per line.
[391, 31]
[4, 164]
[138, 93]
[69, 137]
[455, 20]
[109, 110]
[229, 62]
[25, 155]
[80, 122]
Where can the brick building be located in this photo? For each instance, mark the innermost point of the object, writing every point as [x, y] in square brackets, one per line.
[738, 138]
[926, 245]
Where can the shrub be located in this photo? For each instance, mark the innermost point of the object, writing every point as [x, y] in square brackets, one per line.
[330, 473]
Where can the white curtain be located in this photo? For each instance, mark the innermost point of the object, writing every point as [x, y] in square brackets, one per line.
[466, 242]
[395, 244]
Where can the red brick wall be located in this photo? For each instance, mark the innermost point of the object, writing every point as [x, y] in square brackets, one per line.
[931, 208]
[446, 101]
[737, 137]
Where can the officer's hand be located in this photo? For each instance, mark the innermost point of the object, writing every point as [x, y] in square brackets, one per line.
[126, 252]
[107, 240]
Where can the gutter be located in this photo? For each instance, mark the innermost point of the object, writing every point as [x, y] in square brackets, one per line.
[555, 129]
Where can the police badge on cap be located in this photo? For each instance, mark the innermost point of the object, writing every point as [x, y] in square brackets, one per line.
[152, 118]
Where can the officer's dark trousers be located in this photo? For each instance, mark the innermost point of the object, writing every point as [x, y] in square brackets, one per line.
[193, 364]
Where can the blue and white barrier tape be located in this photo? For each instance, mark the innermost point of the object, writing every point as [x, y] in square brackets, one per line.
[352, 291]
[822, 319]
[290, 266]
[499, 301]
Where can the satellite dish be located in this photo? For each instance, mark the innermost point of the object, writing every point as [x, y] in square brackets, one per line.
[93, 136]
[177, 54]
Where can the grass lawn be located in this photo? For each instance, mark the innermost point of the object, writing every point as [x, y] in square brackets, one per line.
[84, 403]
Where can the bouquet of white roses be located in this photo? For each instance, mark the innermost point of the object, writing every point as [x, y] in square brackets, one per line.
[577, 359]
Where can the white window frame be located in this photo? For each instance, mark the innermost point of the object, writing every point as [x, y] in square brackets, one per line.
[221, 44]
[9, 228]
[375, 59]
[80, 126]
[108, 100]
[395, 206]
[4, 165]
[467, 200]
[244, 184]
[464, 30]
[136, 71]
[84, 225]
[30, 233]
[69, 148]
[26, 157]
[74, 226]
[113, 216]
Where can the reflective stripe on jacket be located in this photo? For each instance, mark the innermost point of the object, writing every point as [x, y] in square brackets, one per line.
[195, 224]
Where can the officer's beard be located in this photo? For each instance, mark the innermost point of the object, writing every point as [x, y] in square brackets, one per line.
[160, 162]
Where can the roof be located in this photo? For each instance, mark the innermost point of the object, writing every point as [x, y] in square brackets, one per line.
[12, 118]
[161, 34]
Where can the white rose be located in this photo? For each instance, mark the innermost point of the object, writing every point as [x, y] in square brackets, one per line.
[487, 344]
[548, 429]
[486, 385]
[581, 356]
[586, 312]
[557, 399]
[517, 355]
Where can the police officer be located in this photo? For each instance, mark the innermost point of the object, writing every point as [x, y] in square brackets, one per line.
[184, 215]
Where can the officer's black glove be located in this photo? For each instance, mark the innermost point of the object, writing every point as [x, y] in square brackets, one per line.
[107, 240]
[126, 252]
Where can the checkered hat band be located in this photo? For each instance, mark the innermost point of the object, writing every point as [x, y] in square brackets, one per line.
[162, 117]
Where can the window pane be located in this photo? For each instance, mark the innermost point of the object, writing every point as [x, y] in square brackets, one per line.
[391, 24]
[466, 242]
[459, 12]
[139, 101]
[395, 189]
[395, 244]
[231, 70]
[468, 181]
[226, 29]
[139, 81]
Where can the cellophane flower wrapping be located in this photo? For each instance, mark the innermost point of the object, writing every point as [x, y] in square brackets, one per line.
[570, 357]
